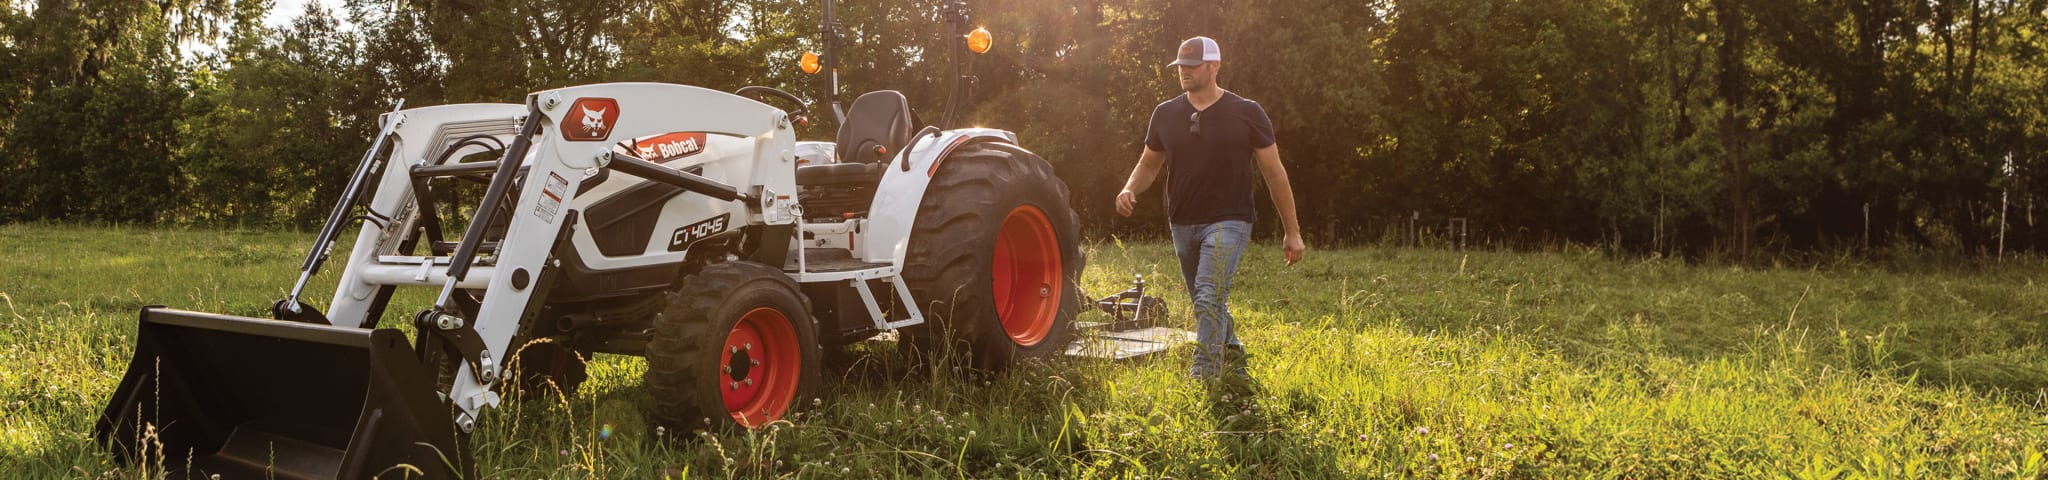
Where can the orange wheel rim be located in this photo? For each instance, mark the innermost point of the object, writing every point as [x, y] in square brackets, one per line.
[1027, 275]
[759, 366]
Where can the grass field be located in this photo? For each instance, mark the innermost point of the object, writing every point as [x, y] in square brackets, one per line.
[1369, 362]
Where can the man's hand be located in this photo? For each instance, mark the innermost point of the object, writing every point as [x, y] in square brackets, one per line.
[1294, 248]
[1125, 202]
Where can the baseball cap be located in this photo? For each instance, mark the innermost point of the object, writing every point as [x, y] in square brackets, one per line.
[1195, 51]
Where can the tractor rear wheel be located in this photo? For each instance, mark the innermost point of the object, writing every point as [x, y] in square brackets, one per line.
[994, 255]
[736, 346]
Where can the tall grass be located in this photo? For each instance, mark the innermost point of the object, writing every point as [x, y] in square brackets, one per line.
[1369, 362]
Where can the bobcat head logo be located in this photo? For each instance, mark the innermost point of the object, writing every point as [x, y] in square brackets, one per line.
[593, 122]
[590, 119]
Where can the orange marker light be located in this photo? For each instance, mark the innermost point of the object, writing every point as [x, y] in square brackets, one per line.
[979, 41]
[809, 63]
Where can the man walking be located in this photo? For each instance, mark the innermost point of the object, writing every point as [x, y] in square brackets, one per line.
[1207, 140]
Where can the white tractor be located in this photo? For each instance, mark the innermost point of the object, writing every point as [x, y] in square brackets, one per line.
[677, 223]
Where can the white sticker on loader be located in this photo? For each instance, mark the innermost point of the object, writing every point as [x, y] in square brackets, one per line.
[551, 198]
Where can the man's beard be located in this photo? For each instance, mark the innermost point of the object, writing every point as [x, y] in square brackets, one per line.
[1191, 86]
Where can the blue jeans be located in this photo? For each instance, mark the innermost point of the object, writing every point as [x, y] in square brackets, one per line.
[1208, 259]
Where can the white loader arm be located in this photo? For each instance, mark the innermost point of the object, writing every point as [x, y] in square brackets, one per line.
[578, 130]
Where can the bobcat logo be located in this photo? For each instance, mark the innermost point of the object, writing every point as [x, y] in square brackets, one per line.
[670, 146]
[590, 119]
[593, 121]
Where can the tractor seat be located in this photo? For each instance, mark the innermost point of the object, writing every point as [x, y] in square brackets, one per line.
[839, 174]
[876, 127]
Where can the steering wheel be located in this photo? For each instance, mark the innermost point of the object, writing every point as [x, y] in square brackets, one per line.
[803, 110]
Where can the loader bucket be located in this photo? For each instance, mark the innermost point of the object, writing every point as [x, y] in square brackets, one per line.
[252, 398]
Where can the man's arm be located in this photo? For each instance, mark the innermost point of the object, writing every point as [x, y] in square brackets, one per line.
[1141, 179]
[1283, 199]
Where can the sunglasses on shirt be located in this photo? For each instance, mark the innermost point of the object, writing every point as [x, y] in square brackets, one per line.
[1195, 123]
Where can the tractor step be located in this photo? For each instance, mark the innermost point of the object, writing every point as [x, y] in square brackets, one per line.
[828, 260]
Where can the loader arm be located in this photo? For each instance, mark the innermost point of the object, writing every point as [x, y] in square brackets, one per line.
[578, 130]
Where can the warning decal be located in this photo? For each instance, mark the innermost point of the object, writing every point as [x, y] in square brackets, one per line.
[551, 198]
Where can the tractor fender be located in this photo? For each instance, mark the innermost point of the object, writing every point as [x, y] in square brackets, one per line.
[894, 212]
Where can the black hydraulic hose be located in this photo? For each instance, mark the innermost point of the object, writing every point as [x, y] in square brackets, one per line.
[476, 140]
[458, 266]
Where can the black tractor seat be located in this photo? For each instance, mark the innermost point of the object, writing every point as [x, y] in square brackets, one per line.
[876, 129]
[839, 174]
[877, 126]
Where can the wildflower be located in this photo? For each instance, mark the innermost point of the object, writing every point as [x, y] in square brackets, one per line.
[1421, 430]
[1432, 457]
[1509, 446]
[565, 452]
[660, 431]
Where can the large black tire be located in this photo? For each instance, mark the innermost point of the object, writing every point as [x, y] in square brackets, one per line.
[982, 262]
[736, 347]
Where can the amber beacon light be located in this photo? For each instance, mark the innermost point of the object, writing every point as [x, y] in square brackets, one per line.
[979, 41]
[809, 62]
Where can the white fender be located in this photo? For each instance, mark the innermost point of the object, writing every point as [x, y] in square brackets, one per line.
[894, 211]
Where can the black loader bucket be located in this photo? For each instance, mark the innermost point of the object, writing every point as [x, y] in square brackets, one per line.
[252, 398]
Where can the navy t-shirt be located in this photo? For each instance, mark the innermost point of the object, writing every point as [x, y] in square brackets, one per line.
[1209, 173]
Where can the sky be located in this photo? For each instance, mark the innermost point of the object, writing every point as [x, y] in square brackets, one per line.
[281, 13]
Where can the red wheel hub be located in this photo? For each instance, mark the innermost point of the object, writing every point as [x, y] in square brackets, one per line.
[1027, 275]
[759, 368]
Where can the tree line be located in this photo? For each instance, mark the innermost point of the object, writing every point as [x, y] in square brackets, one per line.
[1724, 126]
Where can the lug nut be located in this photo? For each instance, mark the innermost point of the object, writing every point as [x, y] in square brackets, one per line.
[735, 349]
[1044, 291]
[754, 362]
[735, 385]
[749, 381]
[726, 369]
[750, 347]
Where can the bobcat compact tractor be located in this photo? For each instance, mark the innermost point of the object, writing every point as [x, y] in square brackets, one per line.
[677, 223]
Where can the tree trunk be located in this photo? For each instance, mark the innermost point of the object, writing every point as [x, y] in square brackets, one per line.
[1733, 130]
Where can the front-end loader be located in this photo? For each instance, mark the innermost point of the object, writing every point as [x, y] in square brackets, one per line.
[682, 224]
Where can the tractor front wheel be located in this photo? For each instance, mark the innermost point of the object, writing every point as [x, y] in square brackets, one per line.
[736, 346]
[994, 255]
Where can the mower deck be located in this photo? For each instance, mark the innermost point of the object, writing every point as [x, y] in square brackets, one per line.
[1098, 342]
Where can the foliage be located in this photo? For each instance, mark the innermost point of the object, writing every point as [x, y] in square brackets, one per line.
[1732, 127]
